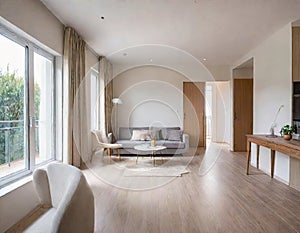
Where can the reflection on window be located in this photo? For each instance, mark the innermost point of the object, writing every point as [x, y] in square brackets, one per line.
[12, 101]
[43, 105]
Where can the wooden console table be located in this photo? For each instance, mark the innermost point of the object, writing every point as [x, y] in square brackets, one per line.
[290, 148]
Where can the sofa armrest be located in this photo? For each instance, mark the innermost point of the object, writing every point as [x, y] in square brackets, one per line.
[186, 140]
[41, 185]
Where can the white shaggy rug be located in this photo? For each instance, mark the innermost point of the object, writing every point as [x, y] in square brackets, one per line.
[143, 175]
[164, 167]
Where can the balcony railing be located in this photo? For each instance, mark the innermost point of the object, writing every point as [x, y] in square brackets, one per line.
[12, 143]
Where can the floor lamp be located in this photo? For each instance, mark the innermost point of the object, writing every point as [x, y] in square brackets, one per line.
[116, 102]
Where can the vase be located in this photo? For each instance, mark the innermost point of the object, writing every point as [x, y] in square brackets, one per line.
[153, 143]
[287, 136]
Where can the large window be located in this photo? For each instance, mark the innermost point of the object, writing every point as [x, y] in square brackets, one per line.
[26, 107]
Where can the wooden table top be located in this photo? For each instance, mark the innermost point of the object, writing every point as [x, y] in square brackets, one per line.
[291, 148]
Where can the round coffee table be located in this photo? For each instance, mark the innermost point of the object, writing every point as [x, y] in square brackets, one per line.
[146, 148]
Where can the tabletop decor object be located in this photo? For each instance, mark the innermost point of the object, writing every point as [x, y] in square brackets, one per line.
[287, 131]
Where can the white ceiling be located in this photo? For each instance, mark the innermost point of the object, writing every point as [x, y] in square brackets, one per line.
[219, 30]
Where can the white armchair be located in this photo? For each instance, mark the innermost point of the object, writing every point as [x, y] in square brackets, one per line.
[105, 144]
[64, 189]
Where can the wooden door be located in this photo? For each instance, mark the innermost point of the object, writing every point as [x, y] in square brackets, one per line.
[295, 53]
[194, 113]
[243, 112]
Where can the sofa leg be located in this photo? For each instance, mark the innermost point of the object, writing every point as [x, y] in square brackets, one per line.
[119, 156]
[109, 152]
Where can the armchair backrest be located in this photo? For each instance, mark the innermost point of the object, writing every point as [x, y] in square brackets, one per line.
[98, 136]
[63, 181]
[71, 198]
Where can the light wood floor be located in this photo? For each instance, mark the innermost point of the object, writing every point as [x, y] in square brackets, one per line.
[222, 199]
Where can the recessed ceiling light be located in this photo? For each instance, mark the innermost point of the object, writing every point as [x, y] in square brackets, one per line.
[125, 54]
[204, 59]
[151, 60]
[102, 17]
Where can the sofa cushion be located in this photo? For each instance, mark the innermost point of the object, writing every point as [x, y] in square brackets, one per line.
[174, 135]
[125, 133]
[44, 223]
[164, 131]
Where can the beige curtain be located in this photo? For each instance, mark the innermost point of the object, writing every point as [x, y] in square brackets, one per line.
[73, 74]
[105, 71]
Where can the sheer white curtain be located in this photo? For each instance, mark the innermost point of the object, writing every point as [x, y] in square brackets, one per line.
[106, 95]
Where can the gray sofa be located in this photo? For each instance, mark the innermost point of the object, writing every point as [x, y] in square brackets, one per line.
[173, 146]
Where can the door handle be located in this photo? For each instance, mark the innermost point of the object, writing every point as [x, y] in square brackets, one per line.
[235, 117]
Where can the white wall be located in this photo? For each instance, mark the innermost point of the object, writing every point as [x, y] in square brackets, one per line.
[220, 73]
[153, 95]
[16, 204]
[91, 59]
[37, 22]
[150, 95]
[272, 87]
[242, 73]
[35, 19]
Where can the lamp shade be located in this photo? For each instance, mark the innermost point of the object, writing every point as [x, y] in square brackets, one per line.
[117, 101]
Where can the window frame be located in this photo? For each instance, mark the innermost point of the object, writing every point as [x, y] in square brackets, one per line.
[50, 57]
[95, 118]
[29, 155]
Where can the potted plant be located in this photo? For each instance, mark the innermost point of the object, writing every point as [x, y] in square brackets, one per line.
[287, 131]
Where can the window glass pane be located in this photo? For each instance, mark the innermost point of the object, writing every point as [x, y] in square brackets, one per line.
[43, 103]
[12, 102]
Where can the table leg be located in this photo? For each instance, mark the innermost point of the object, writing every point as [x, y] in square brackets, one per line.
[272, 162]
[109, 152]
[153, 157]
[119, 156]
[257, 156]
[248, 155]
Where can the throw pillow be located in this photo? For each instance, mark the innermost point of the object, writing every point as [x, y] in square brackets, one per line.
[140, 135]
[155, 134]
[174, 135]
[164, 131]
